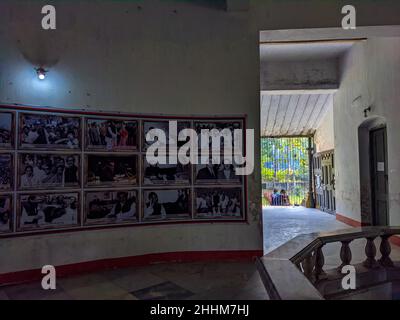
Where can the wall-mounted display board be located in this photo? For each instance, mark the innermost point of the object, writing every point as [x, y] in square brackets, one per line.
[67, 170]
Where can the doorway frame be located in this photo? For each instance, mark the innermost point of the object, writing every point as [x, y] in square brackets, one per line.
[373, 181]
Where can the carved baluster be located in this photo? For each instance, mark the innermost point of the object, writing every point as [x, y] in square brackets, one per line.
[370, 252]
[385, 250]
[345, 254]
[308, 265]
[319, 264]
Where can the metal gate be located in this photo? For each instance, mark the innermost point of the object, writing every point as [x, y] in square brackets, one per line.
[285, 170]
[324, 177]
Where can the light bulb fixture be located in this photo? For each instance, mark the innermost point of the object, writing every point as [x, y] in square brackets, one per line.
[41, 73]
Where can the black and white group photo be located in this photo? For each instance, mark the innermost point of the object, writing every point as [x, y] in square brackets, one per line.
[218, 125]
[40, 211]
[49, 131]
[164, 126]
[218, 203]
[166, 204]
[216, 173]
[48, 170]
[6, 129]
[111, 170]
[159, 174]
[111, 134]
[6, 171]
[106, 207]
[5, 213]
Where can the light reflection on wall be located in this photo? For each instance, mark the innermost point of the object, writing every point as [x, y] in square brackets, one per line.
[21, 80]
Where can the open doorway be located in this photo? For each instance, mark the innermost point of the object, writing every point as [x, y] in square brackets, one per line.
[297, 195]
[285, 171]
[298, 81]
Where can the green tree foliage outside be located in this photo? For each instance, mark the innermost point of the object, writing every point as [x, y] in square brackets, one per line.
[285, 165]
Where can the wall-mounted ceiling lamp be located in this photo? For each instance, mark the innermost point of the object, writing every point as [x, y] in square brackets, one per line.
[41, 73]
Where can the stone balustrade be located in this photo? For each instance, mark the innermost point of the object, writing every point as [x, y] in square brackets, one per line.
[296, 270]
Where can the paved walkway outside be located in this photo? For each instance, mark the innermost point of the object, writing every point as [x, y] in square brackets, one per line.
[280, 224]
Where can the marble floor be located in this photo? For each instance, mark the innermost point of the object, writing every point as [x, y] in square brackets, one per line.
[203, 280]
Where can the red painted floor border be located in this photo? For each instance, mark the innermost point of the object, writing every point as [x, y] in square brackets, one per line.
[123, 262]
[349, 221]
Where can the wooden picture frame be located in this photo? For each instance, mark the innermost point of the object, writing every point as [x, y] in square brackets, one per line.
[163, 124]
[167, 204]
[102, 207]
[49, 171]
[46, 131]
[165, 174]
[38, 211]
[229, 204]
[111, 134]
[106, 170]
[218, 174]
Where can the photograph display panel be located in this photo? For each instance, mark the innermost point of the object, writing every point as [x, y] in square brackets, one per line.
[217, 203]
[105, 170]
[6, 171]
[38, 211]
[49, 131]
[61, 170]
[111, 207]
[6, 213]
[111, 134]
[166, 204]
[7, 130]
[47, 171]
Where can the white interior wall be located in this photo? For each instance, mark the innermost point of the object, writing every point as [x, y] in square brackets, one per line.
[324, 135]
[115, 57]
[370, 70]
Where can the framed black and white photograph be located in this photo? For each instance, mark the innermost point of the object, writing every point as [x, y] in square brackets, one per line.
[164, 126]
[45, 171]
[6, 171]
[105, 170]
[111, 207]
[49, 131]
[7, 125]
[220, 125]
[216, 173]
[214, 203]
[6, 213]
[48, 210]
[164, 174]
[164, 204]
[111, 134]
